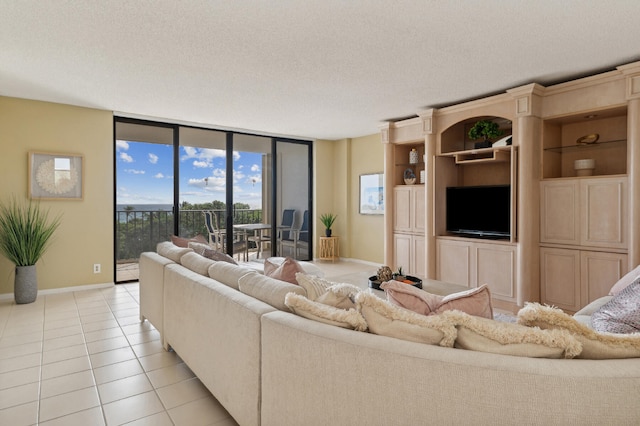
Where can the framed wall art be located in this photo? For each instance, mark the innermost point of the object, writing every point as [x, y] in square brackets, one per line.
[56, 176]
[372, 193]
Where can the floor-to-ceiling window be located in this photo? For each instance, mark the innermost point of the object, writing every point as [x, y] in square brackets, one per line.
[242, 182]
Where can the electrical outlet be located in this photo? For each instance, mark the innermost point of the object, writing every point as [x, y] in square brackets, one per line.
[96, 268]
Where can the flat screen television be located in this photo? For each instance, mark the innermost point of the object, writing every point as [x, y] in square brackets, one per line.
[479, 211]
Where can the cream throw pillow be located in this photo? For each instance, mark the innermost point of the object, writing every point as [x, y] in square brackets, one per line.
[345, 318]
[340, 296]
[314, 286]
[486, 335]
[594, 345]
[386, 319]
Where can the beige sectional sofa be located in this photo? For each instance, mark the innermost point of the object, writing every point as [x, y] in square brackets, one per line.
[268, 366]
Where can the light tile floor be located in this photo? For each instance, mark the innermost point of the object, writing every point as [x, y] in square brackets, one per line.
[84, 358]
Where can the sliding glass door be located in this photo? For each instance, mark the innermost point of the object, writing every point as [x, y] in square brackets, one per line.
[246, 195]
[293, 198]
[144, 198]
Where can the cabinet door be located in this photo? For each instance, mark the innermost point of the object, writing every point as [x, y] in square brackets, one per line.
[402, 209]
[418, 208]
[453, 261]
[599, 272]
[401, 251]
[603, 212]
[559, 212]
[560, 278]
[418, 256]
[495, 266]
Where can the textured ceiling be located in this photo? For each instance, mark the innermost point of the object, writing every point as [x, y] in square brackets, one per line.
[325, 69]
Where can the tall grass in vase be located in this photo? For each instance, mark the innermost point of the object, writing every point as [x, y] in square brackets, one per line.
[25, 235]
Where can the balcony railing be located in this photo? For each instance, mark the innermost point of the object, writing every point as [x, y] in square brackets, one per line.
[138, 231]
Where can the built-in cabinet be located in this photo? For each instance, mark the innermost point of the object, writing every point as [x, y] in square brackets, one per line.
[473, 263]
[573, 167]
[409, 225]
[583, 238]
[572, 278]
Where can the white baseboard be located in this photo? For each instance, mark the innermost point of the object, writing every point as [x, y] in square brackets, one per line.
[63, 290]
[348, 259]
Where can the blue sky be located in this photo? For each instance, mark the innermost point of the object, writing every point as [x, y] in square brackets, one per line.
[144, 173]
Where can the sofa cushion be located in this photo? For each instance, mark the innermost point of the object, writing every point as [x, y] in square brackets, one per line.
[486, 335]
[476, 301]
[285, 271]
[594, 345]
[171, 251]
[345, 318]
[625, 281]
[268, 290]
[390, 320]
[621, 314]
[196, 263]
[228, 274]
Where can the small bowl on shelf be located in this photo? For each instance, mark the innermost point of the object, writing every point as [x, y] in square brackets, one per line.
[409, 181]
[584, 167]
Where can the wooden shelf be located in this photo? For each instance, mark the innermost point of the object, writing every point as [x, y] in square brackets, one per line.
[589, 146]
[500, 154]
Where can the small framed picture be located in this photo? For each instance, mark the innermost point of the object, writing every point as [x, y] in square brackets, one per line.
[56, 176]
[372, 193]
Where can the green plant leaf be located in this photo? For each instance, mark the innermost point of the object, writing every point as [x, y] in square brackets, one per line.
[25, 231]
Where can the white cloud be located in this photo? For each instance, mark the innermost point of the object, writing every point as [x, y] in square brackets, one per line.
[135, 172]
[126, 157]
[122, 145]
[159, 176]
[153, 159]
[201, 164]
[255, 168]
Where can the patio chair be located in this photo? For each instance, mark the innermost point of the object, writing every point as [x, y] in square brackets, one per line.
[218, 237]
[300, 237]
[285, 229]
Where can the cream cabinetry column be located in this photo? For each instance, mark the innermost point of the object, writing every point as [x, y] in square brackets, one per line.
[632, 76]
[528, 136]
[430, 150]
[388, 193]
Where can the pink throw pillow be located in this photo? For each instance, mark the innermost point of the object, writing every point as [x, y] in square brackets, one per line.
[475, 301]
[286, 271]
[184, 242]
[410, 297]
[625, 281]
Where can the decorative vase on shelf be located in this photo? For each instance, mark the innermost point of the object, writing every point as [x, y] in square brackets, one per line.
[327, 232]
[409, 177]
[584, 167]
[413, 156]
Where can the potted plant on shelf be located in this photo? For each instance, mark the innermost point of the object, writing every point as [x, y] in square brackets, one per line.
[25, 235]
[485, 130]
[327, 220]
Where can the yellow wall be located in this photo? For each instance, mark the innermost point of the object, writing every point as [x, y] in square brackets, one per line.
[85, 235]
[338, 166]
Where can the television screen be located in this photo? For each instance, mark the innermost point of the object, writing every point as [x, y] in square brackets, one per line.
[479, 211]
